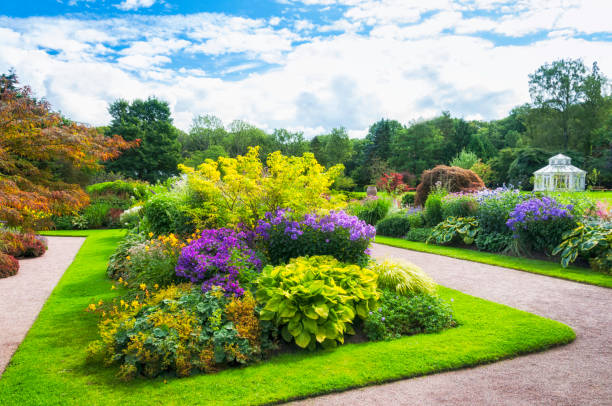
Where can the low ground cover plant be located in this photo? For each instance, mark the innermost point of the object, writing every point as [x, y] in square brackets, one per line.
[455, 228]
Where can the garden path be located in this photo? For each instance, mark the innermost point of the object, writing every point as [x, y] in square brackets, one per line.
[576, 374]
[22, 296]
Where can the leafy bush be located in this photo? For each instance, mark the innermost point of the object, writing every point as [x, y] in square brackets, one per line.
[403, 278]
[97, 214]
[395, 225]
[591, 241]
[9, 266]
[154, 261]
[408, 199]
[418, 234]
[464, 159]
[453, 229]
[392, 183]
[120, 188]
[314, 300]
[433, 207]
[337, 234]
[22, 245]
[416, 219]
[118, 262]
[372, 210]
[540, 223]
[399, 315]
[164, 214]
[494, 207]
[493, 242]
[453, 179]
[178, 329]
[219, 258]
[458, 205]
[131, 217]
[235, 191]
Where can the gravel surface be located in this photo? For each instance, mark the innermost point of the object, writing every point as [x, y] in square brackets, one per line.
[23, 295]
[576, 374]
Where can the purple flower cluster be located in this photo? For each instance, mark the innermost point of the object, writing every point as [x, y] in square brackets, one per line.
[500, 193]
[327, 223]
[537, 209]
[217, 258]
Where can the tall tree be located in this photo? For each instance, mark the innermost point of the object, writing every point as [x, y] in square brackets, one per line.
[150, 122]
[33, 141]
[557, 87]
[380, 136]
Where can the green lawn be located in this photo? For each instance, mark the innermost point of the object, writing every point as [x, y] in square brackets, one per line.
[603, 196]
[49, 368]
[548, 268]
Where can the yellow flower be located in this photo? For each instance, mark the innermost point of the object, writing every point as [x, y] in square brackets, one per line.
[156, 286]
[113, 287]
[150, 234]
[92, 307]
[147, 247]
[128, 258]
[143, 286]
[134, 303]
[100, 303]
[122, 302]
[120, 279]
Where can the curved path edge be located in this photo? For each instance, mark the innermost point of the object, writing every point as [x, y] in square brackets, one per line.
[575, 374]
[22, 296]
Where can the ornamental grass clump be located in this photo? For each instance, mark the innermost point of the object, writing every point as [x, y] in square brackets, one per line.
[539, 223]
[219, 258]
[178, 329]
[315, 299]
[403, 278]
[337, 233]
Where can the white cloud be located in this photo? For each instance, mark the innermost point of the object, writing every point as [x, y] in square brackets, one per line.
[389, 58]
[135, 4]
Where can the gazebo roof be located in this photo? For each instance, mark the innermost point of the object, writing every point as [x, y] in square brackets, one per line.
[559, 164]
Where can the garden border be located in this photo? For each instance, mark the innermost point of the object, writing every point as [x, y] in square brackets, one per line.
[50, 368]
[537, 266]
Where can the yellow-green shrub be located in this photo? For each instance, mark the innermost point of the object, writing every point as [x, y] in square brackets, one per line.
[403, 277]
[315, 299]
[237, 190]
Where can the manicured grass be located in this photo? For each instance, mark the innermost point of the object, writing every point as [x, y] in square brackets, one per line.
[548, 268]
[603, 196]
[50, 368]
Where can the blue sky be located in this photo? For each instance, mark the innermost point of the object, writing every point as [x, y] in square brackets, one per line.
[307, 65]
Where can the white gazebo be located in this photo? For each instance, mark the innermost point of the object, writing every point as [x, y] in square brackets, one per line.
[559, 174]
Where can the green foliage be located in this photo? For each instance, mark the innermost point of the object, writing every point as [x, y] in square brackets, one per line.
[117, 263]
[400, 315]
[493, 242]
[96, 214]
[433, 207]
[591, 241]
[121, 189]
[527, 161]
[165, 214]
[395, 225]
[464, 159]
[315, 299]
[408, 199]
[403, 278]
[420, 234]
[493, 213]
[416, 219]
[545, 236]
[371, 210]
[150, 122]
[178, 329]
[453, 229]
[458, 206]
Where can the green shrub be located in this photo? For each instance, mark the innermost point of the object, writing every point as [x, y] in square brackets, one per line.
[121, 189]
[130, 218]
[179, 329]
[418, 234]
[97, 214]
[399, 315]
[408, 199]
[590, 241]
[315, 299]
[371, 210]
[493, 242]
[63, 222]
[153, 262]
[403, 278]
[494, 208]
[118, 263]
[9, 266]
[463, 205]
[454, 229]
[395, 225]
[416, 220]
[433, 208]
[165, 214]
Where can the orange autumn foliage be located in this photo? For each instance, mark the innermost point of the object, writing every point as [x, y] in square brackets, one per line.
[31, 137]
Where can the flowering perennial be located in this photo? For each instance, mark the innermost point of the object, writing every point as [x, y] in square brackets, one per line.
[218, 258]
[537, 209]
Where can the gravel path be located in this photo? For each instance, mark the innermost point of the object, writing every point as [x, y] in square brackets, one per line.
[23, 295]
[577, 374]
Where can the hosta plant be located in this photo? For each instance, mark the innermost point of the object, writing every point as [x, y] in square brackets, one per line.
[592, 241]
[465, 228]
[315, 299]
